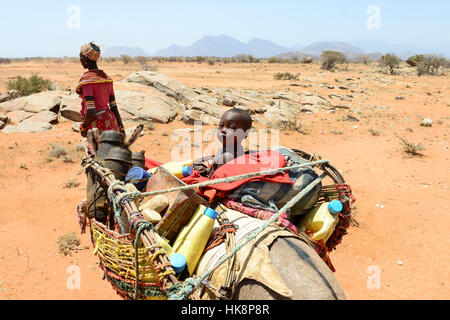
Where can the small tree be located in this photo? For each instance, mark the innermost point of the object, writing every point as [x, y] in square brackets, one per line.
[430, 64]
[412, 61]
[331, 58]
[390, 61]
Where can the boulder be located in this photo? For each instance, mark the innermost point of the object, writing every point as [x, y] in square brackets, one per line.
[10, 95]
[140, 106]
[2, 124]
[44, 101]
[168, 86]
[229, 102]
[70, 107]
[19, 116]
[313, 100]
[289, 96]
[28, 127]
[191, 116]
[43, 117]
[4, 118]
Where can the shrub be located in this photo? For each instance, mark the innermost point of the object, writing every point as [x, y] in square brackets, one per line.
[390, 61]
[331, 58]
[31, 85]
[71, 184]
[411, 148]
[125, 59]
[285, 76]
[67, 243]
[5, 60]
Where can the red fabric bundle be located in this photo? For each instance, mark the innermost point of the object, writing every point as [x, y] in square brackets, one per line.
[248, 163]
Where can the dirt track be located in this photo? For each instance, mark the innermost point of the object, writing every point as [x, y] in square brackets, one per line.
[401, 208]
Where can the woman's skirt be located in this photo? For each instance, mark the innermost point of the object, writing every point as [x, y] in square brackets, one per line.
[105, 121]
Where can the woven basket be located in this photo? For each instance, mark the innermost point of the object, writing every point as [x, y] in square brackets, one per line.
[117, 260]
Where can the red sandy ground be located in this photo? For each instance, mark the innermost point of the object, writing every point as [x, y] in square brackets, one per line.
[412, 227]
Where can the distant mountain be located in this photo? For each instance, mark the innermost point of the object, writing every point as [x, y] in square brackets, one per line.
[117, 51]
[224, 46]
[344, 47]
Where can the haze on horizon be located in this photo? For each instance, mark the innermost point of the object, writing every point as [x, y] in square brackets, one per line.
[48, 28]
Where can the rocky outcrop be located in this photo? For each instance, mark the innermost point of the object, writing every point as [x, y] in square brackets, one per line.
[44, 101]
[10, 95]
[28, 127]
[141, 106]
[70, 108]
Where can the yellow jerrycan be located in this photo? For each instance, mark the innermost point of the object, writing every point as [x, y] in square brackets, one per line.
[192, 239]
[322, 220]
[178, 169]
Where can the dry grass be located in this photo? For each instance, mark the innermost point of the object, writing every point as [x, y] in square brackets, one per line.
[71, 184]
[57, 151]
[411, 148]
[68, 243]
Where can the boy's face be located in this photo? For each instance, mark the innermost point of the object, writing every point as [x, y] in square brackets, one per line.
[232, 128]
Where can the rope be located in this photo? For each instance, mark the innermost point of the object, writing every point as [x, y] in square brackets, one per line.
[230, 179]
[140, 227]
[220, 235]
[180, 292]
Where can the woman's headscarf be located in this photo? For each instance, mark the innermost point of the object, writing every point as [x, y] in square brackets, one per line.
[90, 51]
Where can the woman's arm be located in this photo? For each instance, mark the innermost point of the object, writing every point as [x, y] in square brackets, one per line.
[90, 109]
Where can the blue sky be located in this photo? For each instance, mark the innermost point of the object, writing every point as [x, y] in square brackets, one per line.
[39, 28]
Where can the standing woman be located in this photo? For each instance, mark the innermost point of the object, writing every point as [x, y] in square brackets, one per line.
[98, 106]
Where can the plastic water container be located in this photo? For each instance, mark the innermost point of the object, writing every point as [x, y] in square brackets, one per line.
[193, 237]
[178, 262]
[165, 245]
[322, 220]
[178, 169]
[138, 173]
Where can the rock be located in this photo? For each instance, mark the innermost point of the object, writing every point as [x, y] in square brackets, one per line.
[343, 87]
[43, 117]
[168, 86]
[351, 118]
[28, 127]
[307, 60]
[10, 95]
[205, 106]
[141, 106]
[55, 87]
[191, 116]
[2, 124]
[400, 263]
[76, 127]
[427, 123]
[44, 101]
[316, 101]
[4, 118]
[289, 96]
[400, 98]
[229, 102]
[19, 116]
[70, 107]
